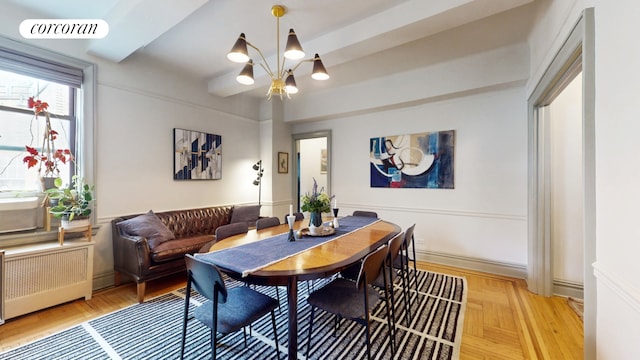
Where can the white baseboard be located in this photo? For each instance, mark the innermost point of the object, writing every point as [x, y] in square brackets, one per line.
[568, 289]
[488, 266]
[103, 281]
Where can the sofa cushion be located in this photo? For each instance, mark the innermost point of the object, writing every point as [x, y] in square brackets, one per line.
[175, 249]
[248, 214]
[149, 226]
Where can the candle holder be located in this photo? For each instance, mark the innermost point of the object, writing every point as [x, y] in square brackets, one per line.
[290, 220]
[335, 218]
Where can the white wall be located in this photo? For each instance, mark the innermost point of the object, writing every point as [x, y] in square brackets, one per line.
[617, 175]
[567, 189]
[484, 217]
[138, 105]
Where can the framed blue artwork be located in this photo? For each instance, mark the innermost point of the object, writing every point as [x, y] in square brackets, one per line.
[424, 160]
[197, 155]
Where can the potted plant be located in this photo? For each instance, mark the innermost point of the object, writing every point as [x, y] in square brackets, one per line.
[47, 158]
[74, 201]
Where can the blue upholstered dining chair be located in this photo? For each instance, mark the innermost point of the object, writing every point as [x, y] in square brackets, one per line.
[299, 216]
[354, 300]
[267, 222]
[225, 231]
[363, 213]
[226, 310]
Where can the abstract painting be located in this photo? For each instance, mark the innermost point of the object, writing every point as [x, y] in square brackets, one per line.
[422, 160]
[197, 155]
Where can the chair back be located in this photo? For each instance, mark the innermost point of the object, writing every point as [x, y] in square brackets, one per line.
[224, 231]
[371, 267]
[206, 278]
[408, 236]
[371, 214]
[267, 222]
[395, 245]
[299, 216]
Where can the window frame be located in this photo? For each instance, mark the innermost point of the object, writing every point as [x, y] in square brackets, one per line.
[85, 112]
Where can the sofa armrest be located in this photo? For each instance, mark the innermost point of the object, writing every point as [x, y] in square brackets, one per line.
[131, 254]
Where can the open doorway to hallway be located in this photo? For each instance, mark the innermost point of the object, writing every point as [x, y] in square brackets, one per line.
[312, 160]
[567, 190]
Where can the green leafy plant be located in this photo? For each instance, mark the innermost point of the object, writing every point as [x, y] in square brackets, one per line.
[72, 201]
[317, 201]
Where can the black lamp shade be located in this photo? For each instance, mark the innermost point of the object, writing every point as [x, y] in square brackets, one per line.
[293, 50]
[319, 72]
[290, 84]
[239, 52]
[246, 75]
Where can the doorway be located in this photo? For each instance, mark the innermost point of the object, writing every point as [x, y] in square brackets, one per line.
[312, 160]
[577, 55]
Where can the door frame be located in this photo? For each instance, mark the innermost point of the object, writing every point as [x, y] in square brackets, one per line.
[576, 54]
[295, 189]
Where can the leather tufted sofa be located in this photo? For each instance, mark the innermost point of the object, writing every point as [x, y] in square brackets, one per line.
[150, 257]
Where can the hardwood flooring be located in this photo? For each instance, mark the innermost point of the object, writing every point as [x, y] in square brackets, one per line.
[503, 320]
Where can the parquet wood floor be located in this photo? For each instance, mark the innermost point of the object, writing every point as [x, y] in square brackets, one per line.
[503, 319]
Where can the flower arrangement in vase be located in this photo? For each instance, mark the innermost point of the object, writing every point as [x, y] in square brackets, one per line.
[316, 203]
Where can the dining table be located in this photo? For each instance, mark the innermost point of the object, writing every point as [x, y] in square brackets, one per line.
[268, 257]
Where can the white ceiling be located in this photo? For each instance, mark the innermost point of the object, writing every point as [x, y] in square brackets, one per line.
[193, 36]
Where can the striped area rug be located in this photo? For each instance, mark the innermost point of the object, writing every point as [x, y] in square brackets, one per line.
[152, 330]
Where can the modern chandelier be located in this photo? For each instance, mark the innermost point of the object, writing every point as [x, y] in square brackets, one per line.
[282, 81]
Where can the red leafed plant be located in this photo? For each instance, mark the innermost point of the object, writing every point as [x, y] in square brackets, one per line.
[49, 157]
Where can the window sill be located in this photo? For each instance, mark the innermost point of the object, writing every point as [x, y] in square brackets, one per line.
[35, 236]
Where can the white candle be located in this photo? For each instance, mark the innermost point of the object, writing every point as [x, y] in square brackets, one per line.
[290, 209]
[335, 203]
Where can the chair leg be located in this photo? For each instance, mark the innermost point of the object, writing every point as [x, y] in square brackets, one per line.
[244, 335]
[275, 334]
[278, 297]
[391, 312]
[214, 327]
[367, 319]
[388, 292]
[406, 292]
[184, 320]
[413, 259]
[310, 329]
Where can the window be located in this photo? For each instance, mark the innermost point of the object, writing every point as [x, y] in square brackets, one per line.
[19, 127]
[68, 85]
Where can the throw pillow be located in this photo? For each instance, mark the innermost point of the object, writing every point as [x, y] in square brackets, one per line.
[248, 214]
[149, 226]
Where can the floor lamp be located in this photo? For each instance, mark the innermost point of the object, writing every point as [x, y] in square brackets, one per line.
[258, 181]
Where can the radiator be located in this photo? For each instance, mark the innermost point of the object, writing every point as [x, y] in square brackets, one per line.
[42, 275]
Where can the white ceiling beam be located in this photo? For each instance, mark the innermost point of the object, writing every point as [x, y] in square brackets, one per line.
[135, 23]
[408, 21]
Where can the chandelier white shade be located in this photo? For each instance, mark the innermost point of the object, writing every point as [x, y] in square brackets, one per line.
[282, 79]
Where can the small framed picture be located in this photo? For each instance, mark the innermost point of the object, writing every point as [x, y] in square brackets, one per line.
[283, 162]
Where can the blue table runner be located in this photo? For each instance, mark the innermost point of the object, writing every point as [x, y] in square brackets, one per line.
[248, 258]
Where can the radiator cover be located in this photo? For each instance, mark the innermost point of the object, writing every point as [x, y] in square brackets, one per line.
[43, 275]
